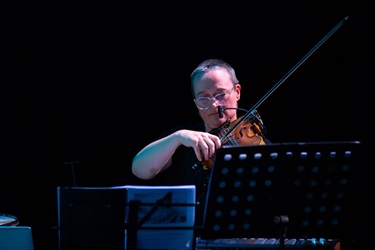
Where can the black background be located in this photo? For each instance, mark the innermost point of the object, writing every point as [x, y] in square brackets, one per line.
[93, 82]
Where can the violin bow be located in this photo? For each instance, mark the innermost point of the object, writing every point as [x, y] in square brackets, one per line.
[261, 100]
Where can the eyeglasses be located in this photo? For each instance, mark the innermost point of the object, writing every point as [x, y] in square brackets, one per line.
[204, 103]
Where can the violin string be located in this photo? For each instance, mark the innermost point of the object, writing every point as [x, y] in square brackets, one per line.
[229, 140]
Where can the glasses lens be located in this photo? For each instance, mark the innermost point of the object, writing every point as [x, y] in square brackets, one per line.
[203, 102]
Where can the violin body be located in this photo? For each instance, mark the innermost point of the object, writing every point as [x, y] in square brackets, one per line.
[249, 132]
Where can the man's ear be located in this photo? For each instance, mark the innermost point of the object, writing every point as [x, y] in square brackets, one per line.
[238, 92]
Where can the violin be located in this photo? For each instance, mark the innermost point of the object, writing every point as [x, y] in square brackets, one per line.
[250, 131]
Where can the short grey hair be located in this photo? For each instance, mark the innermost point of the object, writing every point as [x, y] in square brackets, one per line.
[211, 64]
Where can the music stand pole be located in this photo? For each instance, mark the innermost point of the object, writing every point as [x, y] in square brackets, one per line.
[132, 229]
[282, 221]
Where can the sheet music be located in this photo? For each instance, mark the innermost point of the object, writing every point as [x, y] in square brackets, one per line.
[167, 207]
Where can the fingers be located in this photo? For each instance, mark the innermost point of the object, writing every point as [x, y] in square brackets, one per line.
[203, 143]
[198, 153]
[207, 146]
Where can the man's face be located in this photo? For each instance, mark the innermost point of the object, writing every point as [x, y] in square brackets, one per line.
[215, 83]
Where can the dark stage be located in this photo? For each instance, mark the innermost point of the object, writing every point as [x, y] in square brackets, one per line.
[87, 84]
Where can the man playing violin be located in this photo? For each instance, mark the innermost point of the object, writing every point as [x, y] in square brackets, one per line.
[170, 159]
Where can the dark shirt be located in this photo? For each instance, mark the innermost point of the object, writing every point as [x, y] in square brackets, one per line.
[182, 172]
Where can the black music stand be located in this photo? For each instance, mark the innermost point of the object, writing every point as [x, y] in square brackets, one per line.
[294, 190]
[91, 217]
[126, 217]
